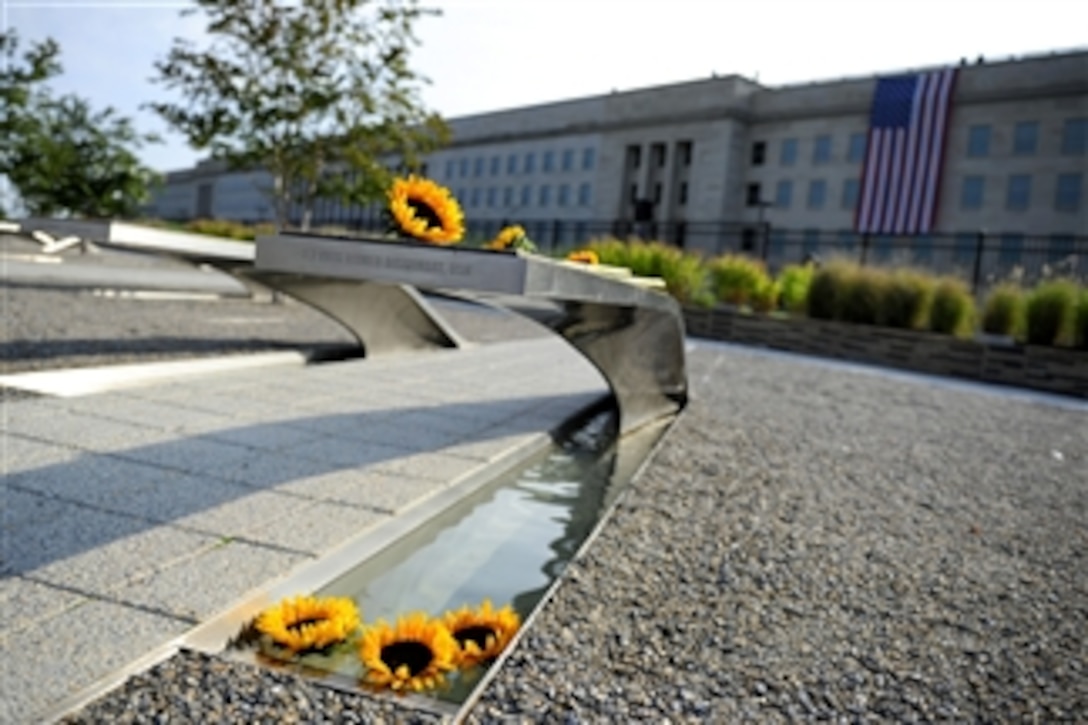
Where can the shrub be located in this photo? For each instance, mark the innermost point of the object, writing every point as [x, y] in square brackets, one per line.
[825, 289]
[953, 308]
[765, 297]
[793, 284]
[1003, 311]
[907, 299]
[1051, 308]
[736, 279]
[685, 274]
[862, 297]
[1082, 319]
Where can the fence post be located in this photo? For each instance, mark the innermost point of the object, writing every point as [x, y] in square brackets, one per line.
[864, 248]
[980, 247]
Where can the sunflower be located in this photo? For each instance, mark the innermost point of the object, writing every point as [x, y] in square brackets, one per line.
[585, 256]
[482, 633]
[426, 211]
[507, 237]
[414, 654]
[302, 624]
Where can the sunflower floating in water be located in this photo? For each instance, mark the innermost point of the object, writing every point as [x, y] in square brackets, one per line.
[413, 654]
[513, 236]
[303, 624]
[426, 211]
[585, 256]
[481, 633]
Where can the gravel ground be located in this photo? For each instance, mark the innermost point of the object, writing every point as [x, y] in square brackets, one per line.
[814, 543]
[810, 543]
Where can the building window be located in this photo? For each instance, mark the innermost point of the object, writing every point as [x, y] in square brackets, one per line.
[752, 194]
[682, 194]
[563, 195]
[568, 159]
[1075, 137]
[848, 240]
[491, 192]
[496, 165]
[789, 152]
[545, 196]
[964, 249]
[632, 193]
[857, 147]
[464, 168]
[821, 150]
[850, 193]
[526, 196]
[971, 192]
[548, 162]
[817, 194]
[810, 243]
[1011, 250]
[783, 194]
[634, 156]
[508, 197]
[478, 169]
[777, 244]
[922, 246]
[1018, 194]
[449, 169]
[530, 163]
[659, 155]
[657, 193]
[1061, 248]
[588, 158]
[584, 195]
[1025, 138]
[475, 197]
[978, 141]
[1067, 193]
[759, 153]
[683, 150]
[512, 164]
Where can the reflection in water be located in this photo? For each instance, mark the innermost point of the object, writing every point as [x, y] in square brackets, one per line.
[507, 543]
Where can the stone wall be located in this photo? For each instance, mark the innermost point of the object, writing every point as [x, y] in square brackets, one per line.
[1054, 370]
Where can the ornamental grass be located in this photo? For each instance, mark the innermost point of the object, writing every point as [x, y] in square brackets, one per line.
[1003, 311]
[1051, 313]
[735, 279]
[793, 284]
[1081, 318]
[825, 290]
[908, 296]
[953, 309]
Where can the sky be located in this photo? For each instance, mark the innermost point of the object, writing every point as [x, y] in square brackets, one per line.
[485, 55]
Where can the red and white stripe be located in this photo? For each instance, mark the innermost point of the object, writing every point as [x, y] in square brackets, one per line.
[901, 177]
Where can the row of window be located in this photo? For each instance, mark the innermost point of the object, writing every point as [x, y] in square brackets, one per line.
[1025, 139]
[550, 162]
[1068, 193]
[963, 248]
[1025, 142]
[514, 198]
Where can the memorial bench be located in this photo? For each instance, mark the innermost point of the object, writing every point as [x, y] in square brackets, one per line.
[633, 334]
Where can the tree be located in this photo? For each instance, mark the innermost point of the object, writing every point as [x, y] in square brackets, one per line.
[319, 93]
[59, 154]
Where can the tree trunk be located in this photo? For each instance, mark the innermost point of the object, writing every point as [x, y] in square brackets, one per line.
[281, 198]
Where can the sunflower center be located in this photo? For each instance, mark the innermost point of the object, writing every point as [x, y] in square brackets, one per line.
[478, 634]
[425, 212]
[297, 626]
[415, 655]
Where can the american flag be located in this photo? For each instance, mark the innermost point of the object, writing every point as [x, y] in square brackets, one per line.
[902, 172]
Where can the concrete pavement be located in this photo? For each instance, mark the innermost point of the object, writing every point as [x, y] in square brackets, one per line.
[130, 516]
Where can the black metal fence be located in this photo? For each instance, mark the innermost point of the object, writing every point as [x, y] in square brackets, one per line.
[981, 258]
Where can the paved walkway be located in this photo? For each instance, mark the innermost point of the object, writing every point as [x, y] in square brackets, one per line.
[132, 515]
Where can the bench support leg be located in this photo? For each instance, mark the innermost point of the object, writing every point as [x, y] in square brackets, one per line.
[384, 318]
